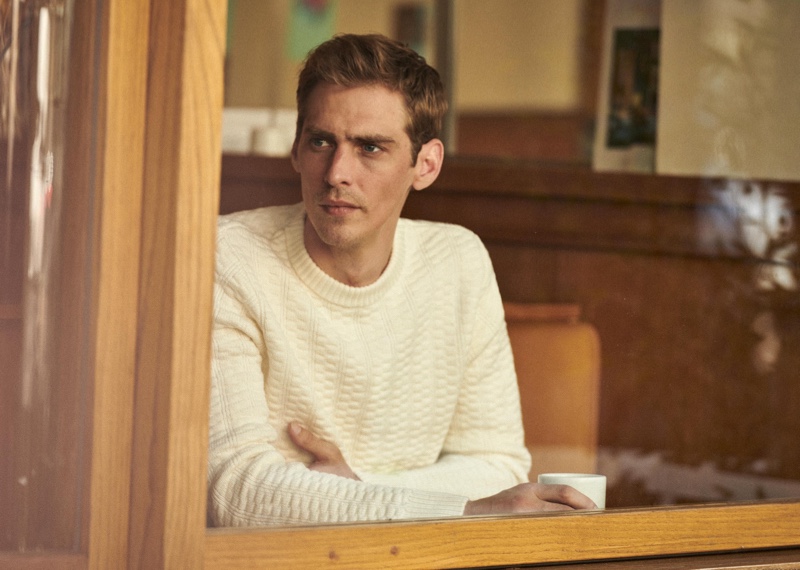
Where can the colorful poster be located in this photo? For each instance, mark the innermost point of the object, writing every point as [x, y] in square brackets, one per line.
[625, 138]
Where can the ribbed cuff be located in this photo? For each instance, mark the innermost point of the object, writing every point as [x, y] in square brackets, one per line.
[428, 504]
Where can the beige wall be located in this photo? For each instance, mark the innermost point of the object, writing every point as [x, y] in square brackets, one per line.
[517, 54]
[257, 74]
[534, 67]
[730, 89]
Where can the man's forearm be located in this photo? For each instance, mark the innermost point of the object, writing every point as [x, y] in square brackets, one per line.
[269, 495]
[474, 476]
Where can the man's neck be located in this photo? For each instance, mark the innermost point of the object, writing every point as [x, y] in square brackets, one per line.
[357, 267]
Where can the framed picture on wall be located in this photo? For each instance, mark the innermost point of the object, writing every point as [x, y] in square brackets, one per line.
[627, 120]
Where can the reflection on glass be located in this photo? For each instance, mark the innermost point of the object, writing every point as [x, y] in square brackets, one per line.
[40, 492]
[738, 357]
[740, 97]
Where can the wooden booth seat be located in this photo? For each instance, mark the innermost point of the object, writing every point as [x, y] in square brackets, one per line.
[557, 359]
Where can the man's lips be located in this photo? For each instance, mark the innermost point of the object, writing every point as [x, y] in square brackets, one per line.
[336, 207]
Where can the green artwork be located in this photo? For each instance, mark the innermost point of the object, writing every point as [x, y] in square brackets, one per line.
[310, 23]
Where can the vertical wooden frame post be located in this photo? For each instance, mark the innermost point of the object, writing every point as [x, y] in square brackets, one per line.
[181, 198]
[105, 147]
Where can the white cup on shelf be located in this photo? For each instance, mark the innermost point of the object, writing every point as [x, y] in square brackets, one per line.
[268, 141]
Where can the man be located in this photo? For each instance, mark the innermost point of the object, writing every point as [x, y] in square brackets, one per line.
[361, 365]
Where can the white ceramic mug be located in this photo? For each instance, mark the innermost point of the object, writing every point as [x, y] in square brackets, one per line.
[590, 484]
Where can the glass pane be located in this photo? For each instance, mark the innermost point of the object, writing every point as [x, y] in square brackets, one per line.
[40, 492]
[679, 246]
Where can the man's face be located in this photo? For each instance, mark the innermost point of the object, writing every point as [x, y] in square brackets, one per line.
[354, 160]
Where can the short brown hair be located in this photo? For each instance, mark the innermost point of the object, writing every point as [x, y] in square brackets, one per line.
[352, 60]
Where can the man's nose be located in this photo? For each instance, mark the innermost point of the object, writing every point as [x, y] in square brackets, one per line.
[340, 169]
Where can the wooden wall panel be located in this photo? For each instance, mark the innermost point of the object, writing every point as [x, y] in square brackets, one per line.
[560, 137]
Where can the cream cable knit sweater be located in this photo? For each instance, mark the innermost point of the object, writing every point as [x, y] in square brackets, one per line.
[412, 377]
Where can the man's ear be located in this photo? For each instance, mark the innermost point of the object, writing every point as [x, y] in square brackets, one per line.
[429, 164]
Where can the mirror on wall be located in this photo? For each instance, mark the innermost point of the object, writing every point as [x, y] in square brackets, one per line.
[698, 316]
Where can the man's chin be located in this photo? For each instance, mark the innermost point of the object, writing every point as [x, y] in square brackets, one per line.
[333, 234]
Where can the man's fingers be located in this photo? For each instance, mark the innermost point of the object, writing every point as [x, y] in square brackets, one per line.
[565, 495]
[322, 450]
[530, 497]
[328, 457]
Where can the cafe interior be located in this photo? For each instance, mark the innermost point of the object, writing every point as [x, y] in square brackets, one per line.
[632, 166]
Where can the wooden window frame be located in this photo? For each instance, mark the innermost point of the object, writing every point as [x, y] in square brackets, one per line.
[154, 116]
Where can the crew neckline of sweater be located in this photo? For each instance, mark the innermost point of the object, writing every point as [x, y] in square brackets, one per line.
[329, 288]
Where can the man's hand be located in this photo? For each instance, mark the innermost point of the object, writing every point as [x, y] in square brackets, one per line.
[327, 457]
[530, 497]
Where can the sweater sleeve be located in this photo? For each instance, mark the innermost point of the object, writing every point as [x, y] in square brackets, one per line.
[250, 482]
[484, 451]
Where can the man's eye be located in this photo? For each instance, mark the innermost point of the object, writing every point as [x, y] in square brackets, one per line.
[370, 148]
[318, 143]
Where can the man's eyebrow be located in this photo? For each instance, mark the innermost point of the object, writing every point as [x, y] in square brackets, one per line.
[366, 138]
[315, 132]
[371, 139]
